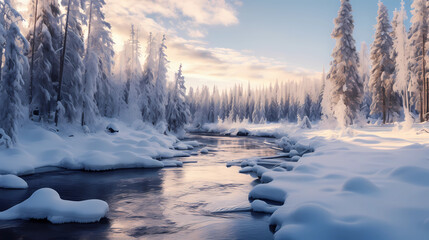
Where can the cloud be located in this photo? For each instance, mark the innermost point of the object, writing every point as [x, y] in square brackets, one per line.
[184, 23]
[228, 65]
[207, 12]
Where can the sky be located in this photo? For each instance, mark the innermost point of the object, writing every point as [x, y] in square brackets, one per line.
[225, 42]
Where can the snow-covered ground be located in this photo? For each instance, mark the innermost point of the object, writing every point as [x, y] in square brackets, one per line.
[46, 203]
[359, 183]
[135, 146]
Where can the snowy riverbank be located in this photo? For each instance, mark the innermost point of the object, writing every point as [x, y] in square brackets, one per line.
[136, 146]
[360, 183]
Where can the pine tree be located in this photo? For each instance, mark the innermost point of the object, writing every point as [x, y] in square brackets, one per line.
[417, 38]
[160, 84]
[306, 107]
[45, 42]
[99, 91]
[364, 73]
[343, 76]
[383, 67]
[69, 97]
[400, 43]
[12, 81]
[147, 83]
[177, 110]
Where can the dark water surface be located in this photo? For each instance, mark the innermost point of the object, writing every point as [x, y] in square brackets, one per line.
[198, 201]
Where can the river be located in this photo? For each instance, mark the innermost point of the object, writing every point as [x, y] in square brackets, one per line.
[202, 200]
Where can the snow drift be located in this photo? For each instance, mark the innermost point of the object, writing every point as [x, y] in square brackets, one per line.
[46, 203]
[136, 146]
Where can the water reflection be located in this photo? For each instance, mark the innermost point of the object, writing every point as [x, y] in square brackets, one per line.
[170, 203]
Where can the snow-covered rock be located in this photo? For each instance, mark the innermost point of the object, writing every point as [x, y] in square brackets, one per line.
[204, 151]
[112, 128]
[293, 153]
[46, 203]
[261, 206]
[285, 143]
[295, 158]
[172, 163]
[12, 182]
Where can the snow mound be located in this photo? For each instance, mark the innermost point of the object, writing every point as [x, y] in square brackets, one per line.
[285, 143]
[102, 161]
[246, 170]
[268, 192]
[204, 151]
[293, 153]
[294, 147]
[295, 158]
[133, 147]
[413, 175]
[46, 203]
[312, 221]
[172, 163]
[263, 207]
[187, 145]
[12, 182]
[360, 185]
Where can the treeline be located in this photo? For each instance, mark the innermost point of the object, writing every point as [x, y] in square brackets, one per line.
[58, 73]
[287, 101]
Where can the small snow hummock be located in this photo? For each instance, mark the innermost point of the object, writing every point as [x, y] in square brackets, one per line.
[46, 203]
[204, 151]
[263, 207]
[12, 182]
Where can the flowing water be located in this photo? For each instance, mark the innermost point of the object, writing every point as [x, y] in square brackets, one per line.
[202, 200]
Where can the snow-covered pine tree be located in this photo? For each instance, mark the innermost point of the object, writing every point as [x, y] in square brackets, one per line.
[306, 107]
[400, 45]
[3, 27]
[160, 84]
[101, 43]
[177, 110]
[417, 38]
[45, 39]
[11, 84]
[71, 85]
[316, 107]
[364, 73]
[99, 93]
[147, 83]
[343, 76]
[383, 67]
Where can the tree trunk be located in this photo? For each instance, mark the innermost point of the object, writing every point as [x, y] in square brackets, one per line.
[62, 63]
[424, 91]
[384, 106]
[1, 62]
